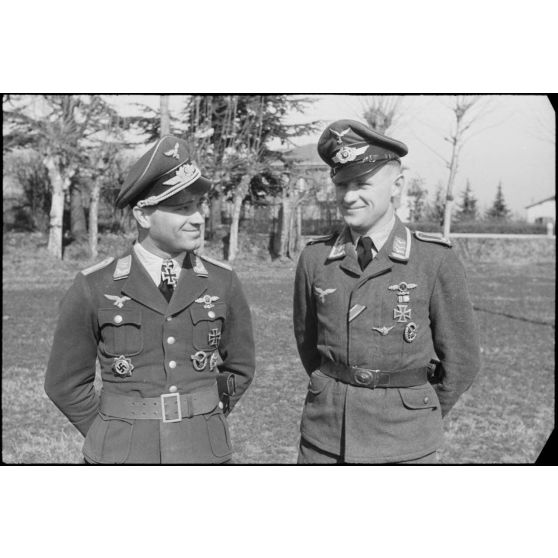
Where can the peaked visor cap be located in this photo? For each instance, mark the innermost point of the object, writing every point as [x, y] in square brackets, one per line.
[353, 150]
[164, 175]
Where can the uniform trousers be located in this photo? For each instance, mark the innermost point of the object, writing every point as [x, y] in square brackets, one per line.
[311, 455]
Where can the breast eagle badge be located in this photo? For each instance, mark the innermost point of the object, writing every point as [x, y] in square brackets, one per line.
[118, 301]
[322, 293]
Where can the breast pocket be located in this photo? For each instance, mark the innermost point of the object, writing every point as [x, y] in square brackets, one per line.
[208, 325]
[120, 331]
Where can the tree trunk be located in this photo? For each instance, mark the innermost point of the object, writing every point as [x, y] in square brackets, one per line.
[238, 197]
[449, 191]
[78, 226]
[60, 184]
[165, 116]
[93, 218]
[214, 216]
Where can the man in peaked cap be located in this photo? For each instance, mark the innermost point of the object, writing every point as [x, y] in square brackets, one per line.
[166, 325]
[374, 307]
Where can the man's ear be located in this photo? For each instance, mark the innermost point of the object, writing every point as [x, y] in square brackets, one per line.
[397, 186]
[142, 216]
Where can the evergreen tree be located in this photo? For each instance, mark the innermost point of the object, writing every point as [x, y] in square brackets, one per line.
[468, 209]
[437, 208]
[499, 209]
[417, 197]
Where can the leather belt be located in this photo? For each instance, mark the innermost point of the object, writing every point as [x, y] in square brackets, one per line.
[365, 377]
[168, 407]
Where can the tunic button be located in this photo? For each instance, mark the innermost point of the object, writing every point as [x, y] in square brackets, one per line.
[221, 405]
[211, 314]
[117, 319]
[426, 400]
[171, 340]
[169, 318]
[173, 389]
[172, 364]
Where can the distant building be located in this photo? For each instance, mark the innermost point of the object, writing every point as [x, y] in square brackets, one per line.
[543, 211]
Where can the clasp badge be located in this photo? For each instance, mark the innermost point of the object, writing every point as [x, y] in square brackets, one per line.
[207, 300]
[122, 367]
[403, 289]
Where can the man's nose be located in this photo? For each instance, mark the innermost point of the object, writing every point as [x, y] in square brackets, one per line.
[197, 218]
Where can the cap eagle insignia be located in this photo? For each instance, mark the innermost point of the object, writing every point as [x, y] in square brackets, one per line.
[173, 152]
[339, 135]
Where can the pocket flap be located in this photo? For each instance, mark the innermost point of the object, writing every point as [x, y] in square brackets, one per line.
[422, 398]
[119, 316]
[199, 313]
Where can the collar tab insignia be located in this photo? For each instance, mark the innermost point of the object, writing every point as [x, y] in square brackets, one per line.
[122, 269]
[401, 247]
[197, 265]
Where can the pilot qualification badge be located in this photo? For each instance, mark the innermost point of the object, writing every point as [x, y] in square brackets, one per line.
[199, 361]
[410, 332]
[122, 367]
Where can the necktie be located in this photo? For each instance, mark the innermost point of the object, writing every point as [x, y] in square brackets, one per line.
[364, 251]
[168, 279]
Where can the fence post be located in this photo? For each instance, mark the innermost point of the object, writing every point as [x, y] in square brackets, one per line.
[549, 229]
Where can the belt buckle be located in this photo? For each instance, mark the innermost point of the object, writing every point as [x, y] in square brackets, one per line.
[365, 377]
[179, 409]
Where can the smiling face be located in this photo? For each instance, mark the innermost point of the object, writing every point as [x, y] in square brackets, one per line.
[366, 202]
[170, 230]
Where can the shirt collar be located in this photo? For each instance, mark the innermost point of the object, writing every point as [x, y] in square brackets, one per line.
[379, 237]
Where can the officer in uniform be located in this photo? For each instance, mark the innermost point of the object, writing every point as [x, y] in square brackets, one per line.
[166, 325]
[373, 306]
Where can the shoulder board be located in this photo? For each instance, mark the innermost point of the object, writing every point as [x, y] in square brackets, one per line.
[97, 266]
[215, 262]
[323, 238]
[433, 237]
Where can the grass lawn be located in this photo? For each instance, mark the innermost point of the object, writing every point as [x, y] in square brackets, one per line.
[505, 417]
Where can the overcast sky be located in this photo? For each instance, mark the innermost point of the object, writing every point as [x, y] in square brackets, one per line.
[513, 142]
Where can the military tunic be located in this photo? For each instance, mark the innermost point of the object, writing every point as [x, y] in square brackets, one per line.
[409, 305]
[116, 313]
